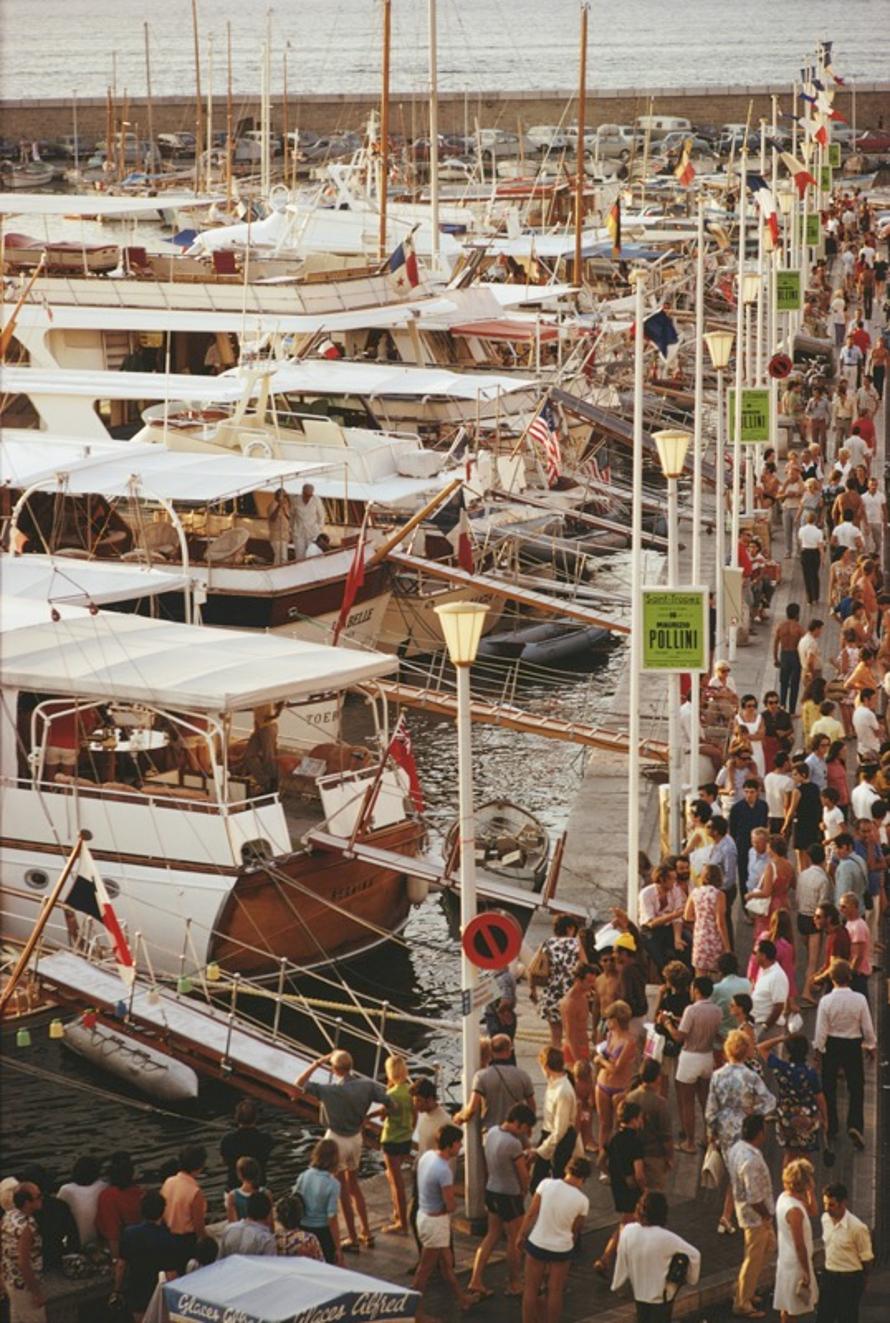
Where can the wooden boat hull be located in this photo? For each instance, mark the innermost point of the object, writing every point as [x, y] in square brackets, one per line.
[315, 906]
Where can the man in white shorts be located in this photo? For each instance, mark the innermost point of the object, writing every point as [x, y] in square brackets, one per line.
[697, 1031]
[344, 1104]
[435, 1204]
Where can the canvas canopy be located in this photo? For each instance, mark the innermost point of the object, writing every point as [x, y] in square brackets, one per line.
[82, 583]
[266, 1289]
[195, 668]
[330, 377]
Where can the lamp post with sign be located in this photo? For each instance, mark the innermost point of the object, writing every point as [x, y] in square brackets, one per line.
[672, 447]
[739, 380]
[719, 344]
[751, 290]
[462, 624]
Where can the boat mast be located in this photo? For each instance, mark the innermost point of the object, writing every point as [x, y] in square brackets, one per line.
[383, 175]
[434, 133]
[208, 176]
[582, 107]
[150, 108]
[199, 119]
[76, 145]
[122, 141]
[229, 143]
[284, 113]
[109, 132]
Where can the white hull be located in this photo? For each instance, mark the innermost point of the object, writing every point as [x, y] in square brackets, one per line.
[145, 1068]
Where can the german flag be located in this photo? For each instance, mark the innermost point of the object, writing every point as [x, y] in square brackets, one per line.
[613, 227]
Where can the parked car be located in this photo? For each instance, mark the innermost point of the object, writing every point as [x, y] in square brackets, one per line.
[497, 142]
[550, 138]
[299, 140]
[176, 144]
[614, 140]
[873, 140]
[675, 142]
[658, 125]
[276, 147]
[71, 146]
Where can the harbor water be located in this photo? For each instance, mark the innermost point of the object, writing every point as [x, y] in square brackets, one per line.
[333, 45]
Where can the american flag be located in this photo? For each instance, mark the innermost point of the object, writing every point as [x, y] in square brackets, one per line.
[544, 431]
[602, 501]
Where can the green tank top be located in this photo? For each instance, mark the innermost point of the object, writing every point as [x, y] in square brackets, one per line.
[399, 1125]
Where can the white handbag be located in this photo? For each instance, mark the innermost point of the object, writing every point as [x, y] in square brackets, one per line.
[758, 905]
[713, 1169]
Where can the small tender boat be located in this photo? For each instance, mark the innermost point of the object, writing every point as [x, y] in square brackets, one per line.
[559, 644]
[33, 175]
[21, 251]
[160, 1076]
[512, 845]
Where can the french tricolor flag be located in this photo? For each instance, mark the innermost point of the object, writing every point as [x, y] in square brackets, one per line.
[763, 195]
[799, 173]
[89, 895]
[403, 265]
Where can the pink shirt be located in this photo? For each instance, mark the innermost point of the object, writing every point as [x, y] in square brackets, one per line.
[858, 930]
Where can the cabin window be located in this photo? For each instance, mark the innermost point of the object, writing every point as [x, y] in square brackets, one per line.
[255, 852]
[36, 879]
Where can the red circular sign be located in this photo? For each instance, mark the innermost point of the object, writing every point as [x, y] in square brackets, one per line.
[492, 940]
[780, 366]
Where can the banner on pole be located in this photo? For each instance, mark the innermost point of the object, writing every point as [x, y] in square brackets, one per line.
[675, 630]
[826, 176]
[733, 602]
[812, 233]
[834, 155]
[755, 415]
[788, 294]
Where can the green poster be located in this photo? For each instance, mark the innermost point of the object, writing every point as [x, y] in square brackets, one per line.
[755, 415]
[834, 155]
[675, 629]
[788, 298]
[813, 232]
[825, 178]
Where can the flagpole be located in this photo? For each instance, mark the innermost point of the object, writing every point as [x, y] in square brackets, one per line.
[739, 378]
[582, 109]
[42, 920]
[696, 473]
[636, 612]
[383, 174]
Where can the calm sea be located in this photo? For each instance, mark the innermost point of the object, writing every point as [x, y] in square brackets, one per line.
[333, 45]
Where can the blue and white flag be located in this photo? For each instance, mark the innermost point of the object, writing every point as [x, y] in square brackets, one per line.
[660, 329]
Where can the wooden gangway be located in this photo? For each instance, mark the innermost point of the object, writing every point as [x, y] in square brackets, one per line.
[504, 588]
[434, 870]
[493, 713]
[211, 1040]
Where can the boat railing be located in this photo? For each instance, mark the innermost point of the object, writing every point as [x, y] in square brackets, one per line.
[182, 798]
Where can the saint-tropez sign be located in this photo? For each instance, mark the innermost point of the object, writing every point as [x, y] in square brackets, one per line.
[825, 178]
[675, 630]
[834, 155]
[788, 297]
[813, 231]
[755, 415]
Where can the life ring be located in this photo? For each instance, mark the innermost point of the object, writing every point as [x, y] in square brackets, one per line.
[257, 446]
[279, 197]
[779, 366]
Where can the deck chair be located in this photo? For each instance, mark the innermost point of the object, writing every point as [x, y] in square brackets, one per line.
[158, 542]
[228, 548]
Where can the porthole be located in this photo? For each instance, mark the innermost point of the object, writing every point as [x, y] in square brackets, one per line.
[36, 879]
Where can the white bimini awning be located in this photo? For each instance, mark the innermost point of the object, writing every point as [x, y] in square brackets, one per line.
[181, 667]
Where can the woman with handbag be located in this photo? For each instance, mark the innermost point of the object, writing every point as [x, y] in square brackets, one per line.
[802, 1111]
[706, 911]
[795, 1291]
[552, 969]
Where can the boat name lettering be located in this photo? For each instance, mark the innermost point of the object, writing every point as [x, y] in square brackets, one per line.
[359, 618]
[321, 718]
[342, 892]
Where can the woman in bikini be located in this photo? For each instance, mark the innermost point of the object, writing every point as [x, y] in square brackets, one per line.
[615, 1058]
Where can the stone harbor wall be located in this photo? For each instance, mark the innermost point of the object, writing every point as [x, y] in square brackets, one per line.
[458, 113]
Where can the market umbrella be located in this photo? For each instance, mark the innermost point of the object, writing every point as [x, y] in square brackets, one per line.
[263, 1289]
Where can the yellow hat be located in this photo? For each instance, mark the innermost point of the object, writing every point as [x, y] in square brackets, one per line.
[625, 942]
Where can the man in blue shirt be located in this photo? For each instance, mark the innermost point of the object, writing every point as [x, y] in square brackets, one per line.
[747, 813]
[435, 1204]
[146, 1250]
[252, 1233]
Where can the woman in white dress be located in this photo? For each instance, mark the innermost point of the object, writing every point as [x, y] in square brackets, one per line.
[749, 724]
[796, 1291]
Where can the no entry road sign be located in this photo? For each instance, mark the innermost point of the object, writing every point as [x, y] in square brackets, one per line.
[492, 940]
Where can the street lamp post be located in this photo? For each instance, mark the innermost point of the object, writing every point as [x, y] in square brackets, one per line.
[462, 624]
[719, 345]
[672, 447]
[785, 198]
[739, 381]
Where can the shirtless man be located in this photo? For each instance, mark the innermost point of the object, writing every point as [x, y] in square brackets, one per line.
[606, 983]
[786, 637]
[575, 1009]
